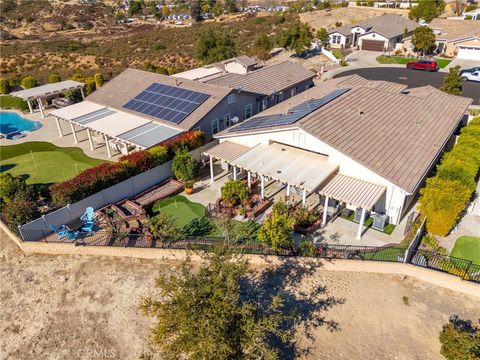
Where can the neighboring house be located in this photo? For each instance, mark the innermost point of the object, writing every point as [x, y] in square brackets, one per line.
[455, 7]
[381, 33]
[472, 15]
[367, 144]
[457, 37]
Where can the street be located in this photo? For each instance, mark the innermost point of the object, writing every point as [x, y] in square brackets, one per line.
[413, 78]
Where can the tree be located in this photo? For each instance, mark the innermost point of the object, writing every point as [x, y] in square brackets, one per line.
[230, 6]
[165, 10]
[452, 82]
[19, 212]
[234, 191]
[99, 80]
[29, 82]
[214, 46]
[196, 10]
[134, 7]
[423, 39]
[298, 37]
[4, 86]
[163, 226]
[184, 166]
[262, 46]
[460, 340]
[322, 36]
[426, 10]
[11, 186]
[277, 230]
[207, 314]
[90, 86]
[53, 78]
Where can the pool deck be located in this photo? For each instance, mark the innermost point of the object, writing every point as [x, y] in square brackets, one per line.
[49, 133]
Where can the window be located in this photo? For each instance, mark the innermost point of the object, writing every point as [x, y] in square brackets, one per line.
[231, 99]
[293, 92]
[262, 105]
[279, 97]
[298, 138]
[214, 126]
[248, 111]
[226, 120]
[336, 39]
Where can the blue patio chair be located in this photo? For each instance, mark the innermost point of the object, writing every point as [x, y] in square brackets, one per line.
[72, 235]
[61, 231]
[89, 227]
[89, 215]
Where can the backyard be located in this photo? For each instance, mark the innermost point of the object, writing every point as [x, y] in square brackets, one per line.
[383, 59]
[467, 247]
[43, 162]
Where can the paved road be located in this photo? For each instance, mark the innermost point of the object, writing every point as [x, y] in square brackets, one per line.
[413, 78]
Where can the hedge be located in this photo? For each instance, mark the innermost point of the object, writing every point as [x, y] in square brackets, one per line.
[446, 195]
[104, 175]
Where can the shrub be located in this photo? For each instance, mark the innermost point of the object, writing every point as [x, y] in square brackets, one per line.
[307, 248]
[4, 86]
[10, 102]
[90, 86]
[10, 186]
[184, 166]
[19, 212]
[29, 82]
[190, 140]
[77, 77]
[158, 155]
[460, 340]
[304, 217]
[99, 80]
[163, 226]
[277, 231]
[234, 192]
[53, 78]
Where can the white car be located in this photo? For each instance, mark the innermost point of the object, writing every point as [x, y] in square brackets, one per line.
[473, 76]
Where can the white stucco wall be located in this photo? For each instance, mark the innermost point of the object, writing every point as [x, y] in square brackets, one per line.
[343, 40]
[392, 203]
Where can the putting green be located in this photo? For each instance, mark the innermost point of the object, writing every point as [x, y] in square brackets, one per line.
[468, 248]
[182, 209]
[44, 163]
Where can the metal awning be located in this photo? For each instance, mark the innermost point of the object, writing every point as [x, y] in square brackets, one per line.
[227, 151]
[149, 134]
[353, 191]
[76, 110]
[48, 90]
[300, 168]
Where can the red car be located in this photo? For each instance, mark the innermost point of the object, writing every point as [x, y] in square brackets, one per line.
[427, 65]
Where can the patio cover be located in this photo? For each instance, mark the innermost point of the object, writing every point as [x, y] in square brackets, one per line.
[353, 191]
[48, 90]
[227, 151]
[76, 110]
[149, 134]
[297, 167]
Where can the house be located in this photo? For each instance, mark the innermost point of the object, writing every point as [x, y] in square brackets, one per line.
[458, 38]
[139, 109]
[353, 142]
[381, 33]
[455, 7]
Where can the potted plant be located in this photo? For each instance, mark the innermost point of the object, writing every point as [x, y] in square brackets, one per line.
[234, 192]
[189, 186]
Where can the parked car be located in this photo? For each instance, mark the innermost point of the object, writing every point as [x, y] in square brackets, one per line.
[427, 65]
[470, 70]
[471, 76]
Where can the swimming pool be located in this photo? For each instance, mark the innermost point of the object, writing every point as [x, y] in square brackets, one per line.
[12, 123]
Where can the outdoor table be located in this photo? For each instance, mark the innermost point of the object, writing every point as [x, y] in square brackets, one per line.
[240, 176]
[74, 225]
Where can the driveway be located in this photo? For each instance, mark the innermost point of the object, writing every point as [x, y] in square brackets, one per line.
[462, 63]
[413, 79]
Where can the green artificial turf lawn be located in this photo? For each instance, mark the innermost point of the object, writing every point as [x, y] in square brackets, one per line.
[468, 248]
[43, 162]
[442, 62]
[182, 209]
[10, 102]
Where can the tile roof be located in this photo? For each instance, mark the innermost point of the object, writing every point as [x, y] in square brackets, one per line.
[266, 80]
[131, 82]
[455, 30]
[397, 135]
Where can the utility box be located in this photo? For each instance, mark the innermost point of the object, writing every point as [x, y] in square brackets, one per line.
[380, 221]
[358, 215]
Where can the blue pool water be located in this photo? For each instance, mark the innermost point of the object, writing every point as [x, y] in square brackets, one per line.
[11, 122]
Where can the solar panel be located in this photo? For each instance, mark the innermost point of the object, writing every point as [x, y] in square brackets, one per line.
[294, 114]
[166, 102]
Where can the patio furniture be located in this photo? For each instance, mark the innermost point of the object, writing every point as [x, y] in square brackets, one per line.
[74, 225]
[89, 215]
[61, 231]
[88, 227]
[72, 235]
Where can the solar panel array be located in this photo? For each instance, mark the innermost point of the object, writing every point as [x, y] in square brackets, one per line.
[295, 113]
[166, 102]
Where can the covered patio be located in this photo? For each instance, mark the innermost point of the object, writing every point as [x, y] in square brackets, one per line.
[41, 94]
[119, 130]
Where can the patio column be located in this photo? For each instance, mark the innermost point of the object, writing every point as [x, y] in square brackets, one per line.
[83, 95]
[360, 225]
[288, 190]
[90, 140]
[249, 179]
[107, 144]
[74, 133]
[304, 197]
[325, 211]
[30, 106]
[262, 192]
[234, 172]
[211, 169]
[59, 127]
[40, 106]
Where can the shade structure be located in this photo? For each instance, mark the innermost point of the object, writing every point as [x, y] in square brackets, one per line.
[300, 168]
[48, 90]
[149, 134]
[76, 110]
[351, 190]
[227, 151]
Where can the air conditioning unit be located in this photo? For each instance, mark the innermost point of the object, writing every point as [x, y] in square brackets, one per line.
[358, 215]
[380, 221]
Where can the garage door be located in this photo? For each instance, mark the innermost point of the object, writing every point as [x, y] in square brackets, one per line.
[373, 45]
[469, 53]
